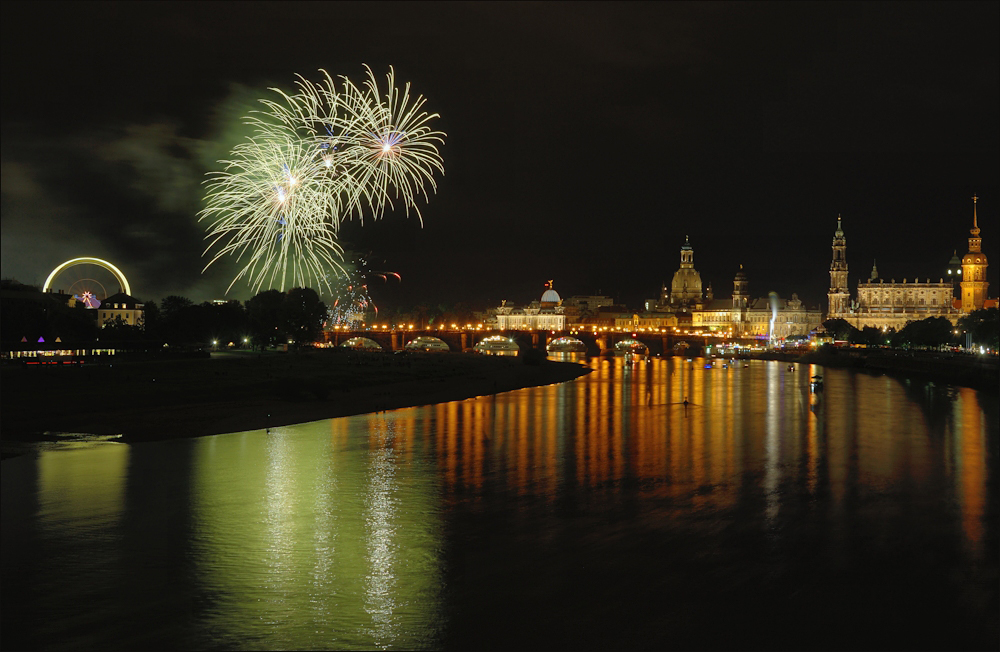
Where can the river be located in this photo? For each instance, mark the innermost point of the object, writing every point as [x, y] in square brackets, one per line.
[599, 513]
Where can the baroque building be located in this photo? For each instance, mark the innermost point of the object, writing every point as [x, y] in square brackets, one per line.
[886, 305]
[546, 314]
[839, 295]
[974, 266]
[771, 316]
[684, 294]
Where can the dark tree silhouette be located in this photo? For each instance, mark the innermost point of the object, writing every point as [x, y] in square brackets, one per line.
[984, 325]
[264, 314]
[302, 314]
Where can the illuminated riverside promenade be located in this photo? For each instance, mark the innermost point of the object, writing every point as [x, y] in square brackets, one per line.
[598, 513]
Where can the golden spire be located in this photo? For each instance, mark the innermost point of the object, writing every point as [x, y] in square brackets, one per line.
[975, 223]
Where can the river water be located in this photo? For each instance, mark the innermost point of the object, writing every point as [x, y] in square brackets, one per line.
[598, 513]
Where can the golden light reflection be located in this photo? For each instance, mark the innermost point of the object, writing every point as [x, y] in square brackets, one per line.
[330, 534]
[969, 457]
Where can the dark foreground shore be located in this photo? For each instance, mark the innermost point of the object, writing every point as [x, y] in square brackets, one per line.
[233, 392]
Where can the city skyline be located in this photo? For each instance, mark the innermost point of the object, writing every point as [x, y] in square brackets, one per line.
[583, 146]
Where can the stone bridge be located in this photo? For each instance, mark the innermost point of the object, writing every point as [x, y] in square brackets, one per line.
[597, 343]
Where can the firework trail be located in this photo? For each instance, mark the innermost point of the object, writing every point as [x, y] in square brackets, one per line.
[318, 157]
[351, 299]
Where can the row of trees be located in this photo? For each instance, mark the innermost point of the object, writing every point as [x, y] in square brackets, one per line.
[423, 315]
[982, 325]
[268, 319]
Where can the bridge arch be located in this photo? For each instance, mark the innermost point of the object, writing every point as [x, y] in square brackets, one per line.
[497, 345]
[632, 345]
[566, 344]
[86, 260]
[427, 343]
[362, 343]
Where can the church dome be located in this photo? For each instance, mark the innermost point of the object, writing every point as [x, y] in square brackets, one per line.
[551, 296]
[686, 280]
[974, 258]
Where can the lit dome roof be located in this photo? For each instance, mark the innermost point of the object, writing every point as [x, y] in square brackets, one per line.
[551, 296]
[974, 258]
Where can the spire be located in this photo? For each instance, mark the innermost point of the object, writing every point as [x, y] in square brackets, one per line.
[840, 230]
[975, 222]
[874, 271]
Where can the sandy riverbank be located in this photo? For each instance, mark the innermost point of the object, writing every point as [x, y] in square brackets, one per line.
[146, 400]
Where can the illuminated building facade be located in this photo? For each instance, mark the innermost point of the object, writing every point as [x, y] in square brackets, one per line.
[746, 317]
[891, 305]
[974, 266]
[685, 291]
[839, 296]
[120, 306]
[546, 314]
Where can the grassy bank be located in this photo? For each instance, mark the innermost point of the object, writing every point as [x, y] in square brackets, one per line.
[230, 392]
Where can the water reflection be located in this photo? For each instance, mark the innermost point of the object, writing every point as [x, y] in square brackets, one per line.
[665, 494]
[310, 538]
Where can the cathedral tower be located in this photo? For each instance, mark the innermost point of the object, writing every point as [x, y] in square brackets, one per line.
[974, 269]
[838, 295]
[685, 288]
[741, 296]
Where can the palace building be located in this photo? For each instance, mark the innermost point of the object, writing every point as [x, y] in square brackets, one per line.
[547, 314]
[886, 305]
[770, 316]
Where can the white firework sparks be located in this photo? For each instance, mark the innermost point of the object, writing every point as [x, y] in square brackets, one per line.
[318, 157]
[269, 207]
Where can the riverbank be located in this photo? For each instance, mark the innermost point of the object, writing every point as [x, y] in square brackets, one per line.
[233, 392]
[963, 369]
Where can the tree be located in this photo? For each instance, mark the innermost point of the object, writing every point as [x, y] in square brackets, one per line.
[264, 315]
[872, 336]
[421, 310]
[116, 330]
[302, 314]
[840, 329]
[459, 313]
[984, 326]
[173, 304]
[151, 319]
[225, 322]
[933, 331]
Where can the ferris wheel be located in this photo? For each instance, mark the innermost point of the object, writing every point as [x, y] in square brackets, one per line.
[89, 280]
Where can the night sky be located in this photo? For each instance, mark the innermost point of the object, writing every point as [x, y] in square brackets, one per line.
[585, 141]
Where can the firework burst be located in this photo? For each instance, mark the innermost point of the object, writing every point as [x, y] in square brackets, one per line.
[322, 155]
[269, 209]
[351, 298]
